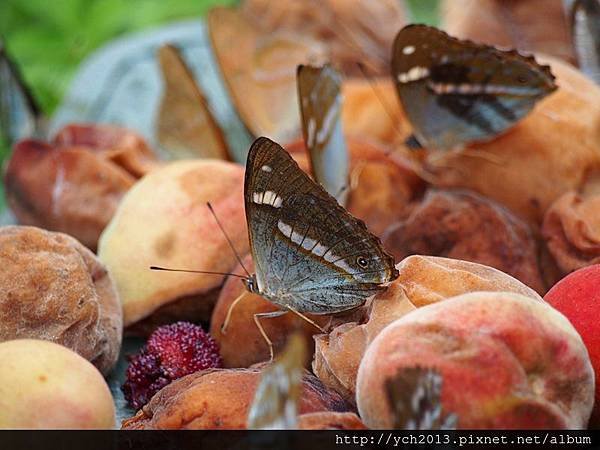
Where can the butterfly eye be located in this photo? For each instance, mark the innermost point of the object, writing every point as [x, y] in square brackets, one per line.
[362, 262]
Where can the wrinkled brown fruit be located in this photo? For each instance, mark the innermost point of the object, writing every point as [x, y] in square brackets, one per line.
[75, 183]
[220, 399]
[572, 230]
[534, 26]
[53, 288]
[539, 159]
[422, 280]
[464, 225]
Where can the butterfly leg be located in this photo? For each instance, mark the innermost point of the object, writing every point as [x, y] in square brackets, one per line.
[229, 311]
[267, 315]
[312, 322]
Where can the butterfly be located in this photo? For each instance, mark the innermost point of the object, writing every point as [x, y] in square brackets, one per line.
[414, 397]
[585, 27]
[319, 94]
[185, 126]
[259, 71]
[455, 92]
[20, 114]
[311, 256]
[275, 404]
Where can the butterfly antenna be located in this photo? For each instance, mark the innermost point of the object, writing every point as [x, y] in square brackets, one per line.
[166, 269]
[228, 240]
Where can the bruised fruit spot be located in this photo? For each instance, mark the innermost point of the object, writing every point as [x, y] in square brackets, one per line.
[165, 245]
[43, 378]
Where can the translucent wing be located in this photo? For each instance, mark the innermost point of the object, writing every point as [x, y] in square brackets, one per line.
[275, 405]
[20, 116]
[585, 27]
[319, 92]
[259, 71]
[414, 395]
[185, 126]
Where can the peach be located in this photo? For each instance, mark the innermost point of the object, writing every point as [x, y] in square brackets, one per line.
[551, 151]
[371, 112]
[164, 221]
[55, 289]
[577, 296]
[44, 385]
[221, 398]
[422, 280]
[75, 183]
[571, 229]
[460, 224]
[521, 361]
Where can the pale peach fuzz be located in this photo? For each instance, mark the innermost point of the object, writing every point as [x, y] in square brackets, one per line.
[422, 280]
[507, 361]
[47, 386]
[164, 221]
[549, 152]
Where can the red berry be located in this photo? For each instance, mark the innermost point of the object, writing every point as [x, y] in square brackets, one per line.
[171, 352]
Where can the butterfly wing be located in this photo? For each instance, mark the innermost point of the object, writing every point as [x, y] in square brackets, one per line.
[185, 125]
[455, 92]
[259, 71]
[319, 93]
[310, 254]
[20, 115]
[585, 26]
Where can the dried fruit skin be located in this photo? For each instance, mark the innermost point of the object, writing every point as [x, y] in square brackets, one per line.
[74, 183]
[467, 226]
[55, 289]
[572, 231]
[220, 399]
[171, 352]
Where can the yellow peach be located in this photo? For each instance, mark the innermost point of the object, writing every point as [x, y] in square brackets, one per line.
[45, 386]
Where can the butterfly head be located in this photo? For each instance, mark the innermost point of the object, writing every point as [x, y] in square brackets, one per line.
[375, 268]
[252, 284]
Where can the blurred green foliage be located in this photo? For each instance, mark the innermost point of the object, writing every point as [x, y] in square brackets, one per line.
[424, 11]
[48, 39]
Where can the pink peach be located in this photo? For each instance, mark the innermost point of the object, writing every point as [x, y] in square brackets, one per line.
[577, 296]
[507, 361]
